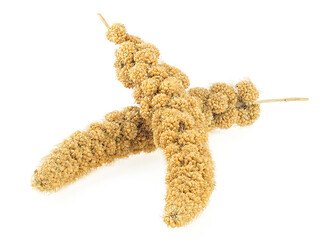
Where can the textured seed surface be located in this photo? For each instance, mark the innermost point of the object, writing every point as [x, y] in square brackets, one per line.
[180, 121]
[168, 117]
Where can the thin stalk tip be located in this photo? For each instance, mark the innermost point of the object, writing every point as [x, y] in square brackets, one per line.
[280, 100]
[103, 20]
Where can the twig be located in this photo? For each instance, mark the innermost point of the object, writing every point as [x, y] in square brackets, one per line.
[280, 100]
[103, 20]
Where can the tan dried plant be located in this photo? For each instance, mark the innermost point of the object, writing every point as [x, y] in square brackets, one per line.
[168, 117]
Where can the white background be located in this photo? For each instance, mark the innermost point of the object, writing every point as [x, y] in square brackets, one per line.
[57, 76]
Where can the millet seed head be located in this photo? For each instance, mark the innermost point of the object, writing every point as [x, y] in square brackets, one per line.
[168, 117]
[117, 33]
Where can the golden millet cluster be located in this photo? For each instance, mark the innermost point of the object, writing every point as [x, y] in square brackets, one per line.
[121, 133]
[168, 117]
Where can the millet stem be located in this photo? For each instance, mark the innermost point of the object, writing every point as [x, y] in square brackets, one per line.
[280, 100]
[103, 20]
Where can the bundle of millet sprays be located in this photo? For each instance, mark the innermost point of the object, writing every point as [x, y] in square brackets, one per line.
[168, 117]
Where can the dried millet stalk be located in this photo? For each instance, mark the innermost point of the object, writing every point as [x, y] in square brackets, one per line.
[178, 122]
[119, 135]
[168, 117]
[126, 131]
